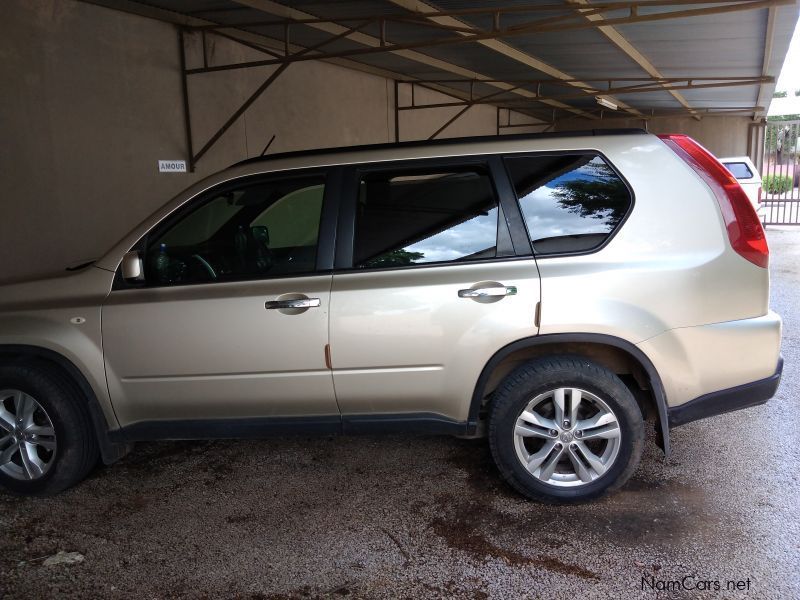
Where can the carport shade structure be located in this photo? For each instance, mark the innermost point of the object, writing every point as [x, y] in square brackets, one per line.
[547, 61]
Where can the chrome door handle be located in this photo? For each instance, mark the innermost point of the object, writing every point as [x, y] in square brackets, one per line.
[297, 303]
[487, 292]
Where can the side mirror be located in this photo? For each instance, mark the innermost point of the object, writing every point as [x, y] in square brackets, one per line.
[132, 267]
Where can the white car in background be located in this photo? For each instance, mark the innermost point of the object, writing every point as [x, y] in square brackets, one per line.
[746, 173]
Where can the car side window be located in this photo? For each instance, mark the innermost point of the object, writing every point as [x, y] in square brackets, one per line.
[406, 218]
[264, 229]
[570, 202]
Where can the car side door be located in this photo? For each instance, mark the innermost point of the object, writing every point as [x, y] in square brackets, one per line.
[230, 323]
[434, 275]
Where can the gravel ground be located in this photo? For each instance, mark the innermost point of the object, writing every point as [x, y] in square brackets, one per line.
[386, 517]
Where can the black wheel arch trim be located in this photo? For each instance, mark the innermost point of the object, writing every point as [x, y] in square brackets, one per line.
[110, 451]
[654, 378]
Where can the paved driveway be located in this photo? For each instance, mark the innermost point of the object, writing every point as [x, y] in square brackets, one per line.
[394, 517]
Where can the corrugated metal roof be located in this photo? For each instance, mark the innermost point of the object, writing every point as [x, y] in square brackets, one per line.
[719, 45]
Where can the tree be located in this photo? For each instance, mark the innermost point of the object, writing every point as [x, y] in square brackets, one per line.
[395, 258]
[602, 195]
[779, 139]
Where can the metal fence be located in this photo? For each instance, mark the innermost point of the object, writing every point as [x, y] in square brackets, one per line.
[780, 173]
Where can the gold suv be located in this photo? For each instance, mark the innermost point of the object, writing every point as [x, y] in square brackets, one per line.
[552, 292]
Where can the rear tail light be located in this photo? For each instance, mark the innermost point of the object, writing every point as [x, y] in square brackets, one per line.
[744, 229]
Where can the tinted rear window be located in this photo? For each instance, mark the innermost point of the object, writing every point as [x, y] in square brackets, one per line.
[570, 202]
[416, 217]
[739, 170]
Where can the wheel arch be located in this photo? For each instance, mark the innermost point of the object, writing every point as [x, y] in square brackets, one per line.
[18, 353]
[504, 360]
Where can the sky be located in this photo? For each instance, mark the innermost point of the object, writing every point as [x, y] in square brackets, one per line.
[789, 79]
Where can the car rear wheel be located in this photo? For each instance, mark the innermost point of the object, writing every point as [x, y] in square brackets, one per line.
[46, 440]
[565, 429]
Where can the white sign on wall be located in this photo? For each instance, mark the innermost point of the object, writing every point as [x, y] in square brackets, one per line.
[172, 166]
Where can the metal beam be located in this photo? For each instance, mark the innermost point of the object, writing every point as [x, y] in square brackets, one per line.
[187, 116]
[376, 47]
[254, 41]
[616, 38]
[544, 125]
[653, 85]
[486, 99]
[269, 45]
[584, 15]
[768, 42]
[598, 79]
[374, 44]
[239, 112]
[703, 112]
[254, 96]
[495, 11]
[450, 120]
[286, 14]
[425, 10]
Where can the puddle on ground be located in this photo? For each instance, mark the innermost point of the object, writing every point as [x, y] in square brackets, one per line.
[491, 518]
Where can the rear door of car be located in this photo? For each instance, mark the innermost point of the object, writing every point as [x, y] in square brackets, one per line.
[434, 274]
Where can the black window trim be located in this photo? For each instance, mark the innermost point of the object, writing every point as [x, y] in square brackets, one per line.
[515, 221]
[326, 239]
[507, 208]
[579, 152]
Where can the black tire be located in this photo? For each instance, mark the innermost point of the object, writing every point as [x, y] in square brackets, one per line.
[77, 451]
[547, 374]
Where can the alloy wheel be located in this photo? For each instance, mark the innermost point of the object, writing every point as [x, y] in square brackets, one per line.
[567, 437]
[27, 436]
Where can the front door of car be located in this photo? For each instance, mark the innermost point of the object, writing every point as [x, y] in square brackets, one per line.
[231, 320]
[434, 275]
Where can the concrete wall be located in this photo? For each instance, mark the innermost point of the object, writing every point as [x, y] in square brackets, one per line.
[92, 99]
[724, 136]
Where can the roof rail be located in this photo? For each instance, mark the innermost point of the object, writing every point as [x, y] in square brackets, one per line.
[443, 142]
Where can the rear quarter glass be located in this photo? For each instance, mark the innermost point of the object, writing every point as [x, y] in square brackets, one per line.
[571, 202]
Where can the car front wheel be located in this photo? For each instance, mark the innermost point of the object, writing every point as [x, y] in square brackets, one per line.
[46, 440]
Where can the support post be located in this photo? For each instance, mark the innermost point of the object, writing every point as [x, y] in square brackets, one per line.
[396, 112]
[187, 117]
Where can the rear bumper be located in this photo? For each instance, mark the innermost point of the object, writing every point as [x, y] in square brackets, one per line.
[697, 361]
[723, 401]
